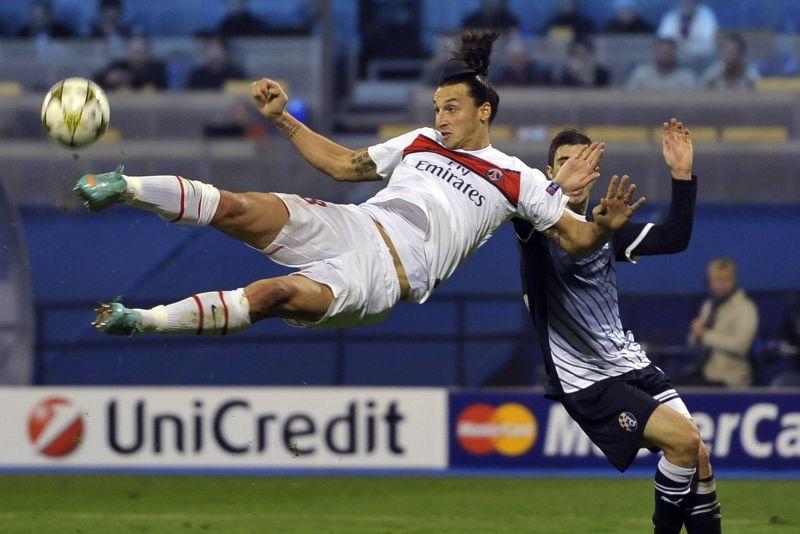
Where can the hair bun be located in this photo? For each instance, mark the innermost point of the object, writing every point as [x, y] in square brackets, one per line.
[476, 48]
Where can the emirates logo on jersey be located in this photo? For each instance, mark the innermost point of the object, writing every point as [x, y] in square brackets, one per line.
[494, 175]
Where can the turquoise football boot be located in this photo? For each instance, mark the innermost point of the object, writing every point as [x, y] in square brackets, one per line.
[115, 319]
[99, 191]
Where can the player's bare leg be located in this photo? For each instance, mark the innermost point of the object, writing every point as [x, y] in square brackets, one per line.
[222, 312]
[255, 218]
[678, 437]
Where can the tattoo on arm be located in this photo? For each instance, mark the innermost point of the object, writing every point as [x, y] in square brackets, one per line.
[362, 163]
[288, 127]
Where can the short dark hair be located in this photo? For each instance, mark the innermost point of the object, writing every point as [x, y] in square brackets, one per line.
[570, 136]
[738, 39]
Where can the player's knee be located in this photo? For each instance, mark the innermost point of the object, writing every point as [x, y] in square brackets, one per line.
[689, 443]
[268, 297]
[232, 208]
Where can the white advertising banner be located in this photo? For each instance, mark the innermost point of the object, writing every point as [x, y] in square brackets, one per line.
[189, 427]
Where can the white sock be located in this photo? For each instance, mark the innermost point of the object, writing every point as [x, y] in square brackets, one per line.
[173, 198]
[213, 313]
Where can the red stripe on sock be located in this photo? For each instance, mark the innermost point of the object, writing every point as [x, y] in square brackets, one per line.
[225, 307]
[199, 307]
[183, 197]
[274, 251]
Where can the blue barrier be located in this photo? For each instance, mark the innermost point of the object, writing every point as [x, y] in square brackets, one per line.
[471, 328]
[522, 430]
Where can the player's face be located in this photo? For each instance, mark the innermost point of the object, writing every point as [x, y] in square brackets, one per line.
[458, 119]
[563, 153]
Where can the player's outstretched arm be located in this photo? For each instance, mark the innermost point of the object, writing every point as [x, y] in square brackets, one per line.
[338, 162]
[582, 238]
[671, 235]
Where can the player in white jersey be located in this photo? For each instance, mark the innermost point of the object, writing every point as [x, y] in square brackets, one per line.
[449, 190]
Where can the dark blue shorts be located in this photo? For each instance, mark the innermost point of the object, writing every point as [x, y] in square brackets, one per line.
[614, 412]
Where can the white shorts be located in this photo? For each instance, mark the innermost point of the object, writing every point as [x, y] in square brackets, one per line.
[340, 246]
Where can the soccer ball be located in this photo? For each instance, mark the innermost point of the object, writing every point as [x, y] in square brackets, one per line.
[75, 112]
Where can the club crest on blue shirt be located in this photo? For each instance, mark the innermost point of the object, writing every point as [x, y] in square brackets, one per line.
[627, 421]
[494, 175]
[552, 188]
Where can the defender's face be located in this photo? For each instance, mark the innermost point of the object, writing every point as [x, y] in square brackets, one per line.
[458, 119]
[563, 153]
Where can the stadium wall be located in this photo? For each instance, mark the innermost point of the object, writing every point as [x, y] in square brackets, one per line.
[307, 430]
[457, 338]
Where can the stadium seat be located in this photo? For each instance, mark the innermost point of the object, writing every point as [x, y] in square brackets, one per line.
[700, 134]
[387, 131]
[755, 134]
[10, 88]
[788, 85]
[617, 133]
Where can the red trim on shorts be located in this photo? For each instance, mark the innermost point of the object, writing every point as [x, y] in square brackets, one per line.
[183, 197]
[200, 307]
[507, 184]
[274, 251]
[225, 306]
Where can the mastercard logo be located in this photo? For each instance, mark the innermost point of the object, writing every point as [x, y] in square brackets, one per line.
[510, 429]
[55, 427]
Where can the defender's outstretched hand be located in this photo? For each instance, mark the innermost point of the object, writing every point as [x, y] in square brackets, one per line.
[677, 149]
[615, 208]
[269, 96]
[580, 170]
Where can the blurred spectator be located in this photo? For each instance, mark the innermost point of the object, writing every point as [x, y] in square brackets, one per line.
[731, 71]
[42, 24]
[241, 22]
[390, 30]
[790, 346]
[518, 68]
[109, 24]
[244, 121]
[492, 15]
[694, 26]
[726, 327]
[139, 71]
[569, 17]
[217, 67]
[582, 68]
[627, 19]
[663, 74]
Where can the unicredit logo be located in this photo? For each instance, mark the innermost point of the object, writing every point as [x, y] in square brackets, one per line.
[509, 429]
[55, 427]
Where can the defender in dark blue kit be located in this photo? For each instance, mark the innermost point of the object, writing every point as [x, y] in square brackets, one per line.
[595, 368]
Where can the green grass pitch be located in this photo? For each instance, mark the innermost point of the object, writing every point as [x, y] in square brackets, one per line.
[173, 504]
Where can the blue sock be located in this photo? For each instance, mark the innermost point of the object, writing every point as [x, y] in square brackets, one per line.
[703, 514]
[672, 484]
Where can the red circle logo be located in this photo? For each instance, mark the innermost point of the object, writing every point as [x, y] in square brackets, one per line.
[495, 175]
[55, 427]
[510, 429]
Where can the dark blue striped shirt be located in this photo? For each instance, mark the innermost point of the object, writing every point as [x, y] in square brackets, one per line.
[574, 302]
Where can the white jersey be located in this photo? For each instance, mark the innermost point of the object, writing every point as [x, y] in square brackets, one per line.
[458, 200]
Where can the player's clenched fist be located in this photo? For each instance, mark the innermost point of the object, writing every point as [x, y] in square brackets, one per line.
[269, 96]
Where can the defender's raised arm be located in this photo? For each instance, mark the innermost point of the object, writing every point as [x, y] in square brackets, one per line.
[338, 162]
